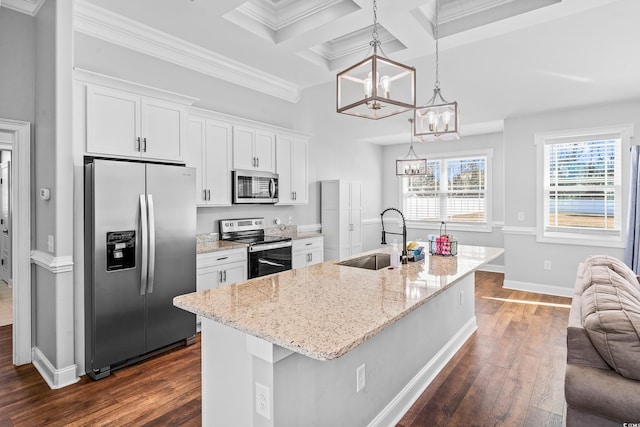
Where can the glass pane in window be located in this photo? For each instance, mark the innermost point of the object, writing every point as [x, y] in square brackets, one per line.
[466, 207]
[582, 184]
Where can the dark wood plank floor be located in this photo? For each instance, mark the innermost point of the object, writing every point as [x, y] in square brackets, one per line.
[510, 372]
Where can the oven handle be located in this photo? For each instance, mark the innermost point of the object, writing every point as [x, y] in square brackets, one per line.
[264, 261]
[266, 247]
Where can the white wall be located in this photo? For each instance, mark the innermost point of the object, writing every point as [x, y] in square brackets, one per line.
[524, 257]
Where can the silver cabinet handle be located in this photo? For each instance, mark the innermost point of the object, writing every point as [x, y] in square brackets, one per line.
[138, 144]
[221, 258]
[204, 194]
[152, 243]
[144, 145]
[225, 276]
[258, 161]
[220, 276]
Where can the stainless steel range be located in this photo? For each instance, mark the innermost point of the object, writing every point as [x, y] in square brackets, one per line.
[266, 254]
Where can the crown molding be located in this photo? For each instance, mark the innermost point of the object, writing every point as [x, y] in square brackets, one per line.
[30, 7]
[113, 28]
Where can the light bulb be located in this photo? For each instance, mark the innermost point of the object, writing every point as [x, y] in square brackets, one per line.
[432, 119]
[446, 117]
[367, 86]
[385, 82]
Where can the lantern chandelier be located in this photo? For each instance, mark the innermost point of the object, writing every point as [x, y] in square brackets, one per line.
[376, 87]
[411, 164]
[439, 119]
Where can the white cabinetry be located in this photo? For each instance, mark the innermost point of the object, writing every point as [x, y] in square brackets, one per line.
[209, 145]
[221, 268]
[254, 149]
[306, 252]
[341, 218]
[123, 123]
[291, 166]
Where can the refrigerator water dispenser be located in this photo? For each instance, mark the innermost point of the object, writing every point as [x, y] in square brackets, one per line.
[121, 250]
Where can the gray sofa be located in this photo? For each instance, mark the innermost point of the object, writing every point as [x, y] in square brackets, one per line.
[602, 380]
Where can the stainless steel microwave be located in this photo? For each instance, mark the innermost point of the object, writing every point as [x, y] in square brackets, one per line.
[254, 187]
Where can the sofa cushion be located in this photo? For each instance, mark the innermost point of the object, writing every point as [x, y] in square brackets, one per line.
[612, 263]
[611, 317]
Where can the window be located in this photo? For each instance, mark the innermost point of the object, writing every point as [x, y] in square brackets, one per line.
[582, 193]
[454, 190]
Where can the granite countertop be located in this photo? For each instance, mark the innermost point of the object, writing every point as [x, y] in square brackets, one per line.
[325, 310]
[203, 247]
[208, 243]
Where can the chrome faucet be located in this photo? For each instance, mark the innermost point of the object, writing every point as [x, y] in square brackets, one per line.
[403, 258]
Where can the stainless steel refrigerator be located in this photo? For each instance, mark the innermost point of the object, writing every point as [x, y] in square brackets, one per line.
[140, 252]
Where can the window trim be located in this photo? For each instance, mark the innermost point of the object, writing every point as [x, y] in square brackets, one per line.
[485, 227]
[601, 238]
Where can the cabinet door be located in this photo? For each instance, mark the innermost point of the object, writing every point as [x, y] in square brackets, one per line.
[298, 161]
[194, 157]
[217, 163]
[299, 259]
[283, 168]
[315, 256]
[113, 122]
[243, 157]
[234, 272]
[208, 278]
[265, 150]
[161, 129]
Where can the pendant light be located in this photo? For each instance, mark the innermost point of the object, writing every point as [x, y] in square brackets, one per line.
[439, 119]
[411, 164]
[376, 87]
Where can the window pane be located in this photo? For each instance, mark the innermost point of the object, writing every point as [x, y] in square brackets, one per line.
[453, 190]
[582, 184]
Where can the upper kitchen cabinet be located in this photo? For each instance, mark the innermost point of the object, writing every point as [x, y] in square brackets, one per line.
[209, 145]
[254, 149]
[291, 166]
[124, 119]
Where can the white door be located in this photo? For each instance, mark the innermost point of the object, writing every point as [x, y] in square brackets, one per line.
[5, 225]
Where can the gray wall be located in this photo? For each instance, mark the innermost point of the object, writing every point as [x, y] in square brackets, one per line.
[524, 257]
[17, 50]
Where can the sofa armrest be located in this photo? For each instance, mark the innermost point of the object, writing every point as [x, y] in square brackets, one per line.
[603, 393]
[580, 350]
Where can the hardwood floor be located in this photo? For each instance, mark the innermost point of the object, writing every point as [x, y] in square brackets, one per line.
[510, 372]
[6, 304]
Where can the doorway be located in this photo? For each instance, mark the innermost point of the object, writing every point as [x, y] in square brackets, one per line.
[6, 293]
[15, 140]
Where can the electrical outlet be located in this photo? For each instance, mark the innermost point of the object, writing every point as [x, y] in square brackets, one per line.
[520, 216]
[547, 265]
[50, 243]
[360, 378]
[263, 406]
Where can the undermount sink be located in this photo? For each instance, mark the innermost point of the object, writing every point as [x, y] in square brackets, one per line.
[370, 262]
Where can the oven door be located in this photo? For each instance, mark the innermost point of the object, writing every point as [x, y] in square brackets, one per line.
[269, 258]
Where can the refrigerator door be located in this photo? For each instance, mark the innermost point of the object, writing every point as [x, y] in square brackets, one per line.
[114, 304]
[172, 253]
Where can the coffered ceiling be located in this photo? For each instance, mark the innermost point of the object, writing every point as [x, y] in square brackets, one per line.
[498, 58]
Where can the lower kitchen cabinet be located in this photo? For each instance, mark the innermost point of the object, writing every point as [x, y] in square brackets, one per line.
[221, 268]
[215, 269]
[307, 252]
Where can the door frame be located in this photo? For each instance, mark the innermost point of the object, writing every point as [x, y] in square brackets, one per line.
[20, 147]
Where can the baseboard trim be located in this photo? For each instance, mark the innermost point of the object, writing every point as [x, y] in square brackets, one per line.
[55, 378]
[400, 404]
[492, 268]
[538, 288]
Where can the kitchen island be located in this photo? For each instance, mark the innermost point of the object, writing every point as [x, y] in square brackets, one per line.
[288, 349]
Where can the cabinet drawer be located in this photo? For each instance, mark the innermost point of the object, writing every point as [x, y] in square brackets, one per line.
[307, 244]
[221, 257]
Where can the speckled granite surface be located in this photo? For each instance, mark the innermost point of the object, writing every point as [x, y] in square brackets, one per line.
[325, 310]
[217, 245]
